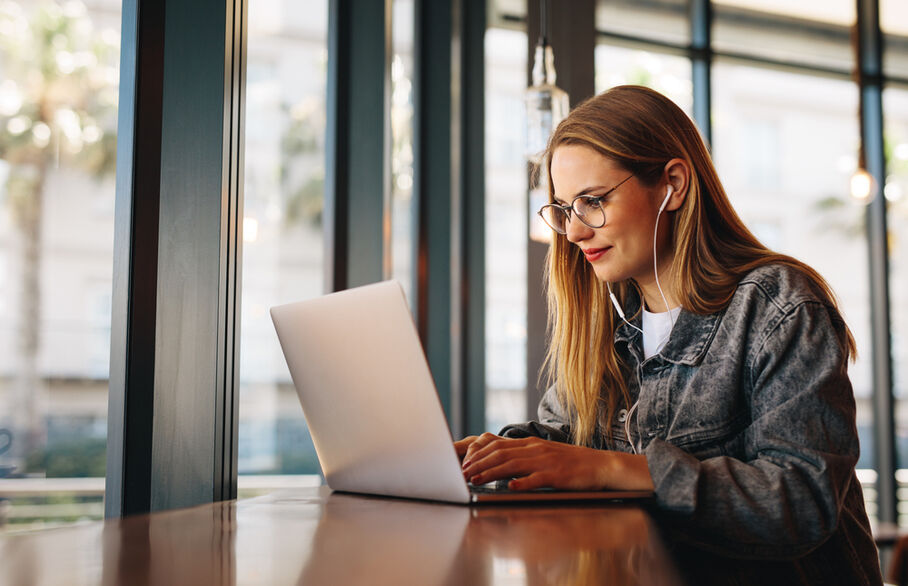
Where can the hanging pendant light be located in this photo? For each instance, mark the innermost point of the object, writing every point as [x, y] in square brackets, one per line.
[546, 106]
[546, 103]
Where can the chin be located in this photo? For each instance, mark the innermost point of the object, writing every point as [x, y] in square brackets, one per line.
[607, 276]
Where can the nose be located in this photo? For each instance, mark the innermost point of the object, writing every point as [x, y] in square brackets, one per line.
[576, 231]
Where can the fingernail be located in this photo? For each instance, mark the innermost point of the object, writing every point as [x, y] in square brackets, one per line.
[466, 463]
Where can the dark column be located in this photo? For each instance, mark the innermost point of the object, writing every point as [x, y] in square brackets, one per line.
[572, 34]
[434, 105]
[448, 187]
[471, 296]
[174, 328]
[357, 174]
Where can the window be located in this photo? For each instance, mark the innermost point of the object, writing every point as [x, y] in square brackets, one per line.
[665, 20]
[667, 74]
[506, 227]
[895, 109]
[402, 217]
[814, 32]
[283, 250]
[56, 254]
[894, 22]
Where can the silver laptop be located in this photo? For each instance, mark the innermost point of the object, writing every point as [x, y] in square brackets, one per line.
[371, 405]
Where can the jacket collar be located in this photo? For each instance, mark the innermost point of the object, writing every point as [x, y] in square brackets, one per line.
[690, 337]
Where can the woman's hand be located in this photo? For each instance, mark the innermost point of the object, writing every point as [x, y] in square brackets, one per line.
[463, 446]
[536, 463]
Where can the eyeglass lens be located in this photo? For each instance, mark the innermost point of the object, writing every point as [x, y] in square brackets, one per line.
[587, 209]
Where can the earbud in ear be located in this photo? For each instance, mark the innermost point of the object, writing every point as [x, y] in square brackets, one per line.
[668, 194]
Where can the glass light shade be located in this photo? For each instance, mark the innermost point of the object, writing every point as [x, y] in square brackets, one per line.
[546, 103]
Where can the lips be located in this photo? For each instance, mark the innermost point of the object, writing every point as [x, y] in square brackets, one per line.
[594, 254]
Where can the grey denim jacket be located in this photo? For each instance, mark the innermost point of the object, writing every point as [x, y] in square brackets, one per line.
[747, 420]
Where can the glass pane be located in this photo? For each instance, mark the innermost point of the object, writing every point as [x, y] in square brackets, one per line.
[813, 32]
[282, 229]
[59, 69]
[402, 218]
[667, 74]
[895, 111]
[894, 22]
[506, 227]
[786, 146]
[663, 20]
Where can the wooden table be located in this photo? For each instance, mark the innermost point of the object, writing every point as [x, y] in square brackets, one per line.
[310, 536]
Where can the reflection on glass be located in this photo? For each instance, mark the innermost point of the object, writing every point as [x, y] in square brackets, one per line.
[59, 69]
[282, 248]
[665, 20]
[402, 219]
[895, 109]
[815, 32]
[786, 147]
[506, 226]
[667, 74]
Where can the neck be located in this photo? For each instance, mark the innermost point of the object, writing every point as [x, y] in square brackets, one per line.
[652, 298]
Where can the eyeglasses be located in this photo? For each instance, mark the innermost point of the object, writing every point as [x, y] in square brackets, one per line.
[588, 209]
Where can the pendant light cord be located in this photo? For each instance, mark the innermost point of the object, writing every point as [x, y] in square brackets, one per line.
[543, 23]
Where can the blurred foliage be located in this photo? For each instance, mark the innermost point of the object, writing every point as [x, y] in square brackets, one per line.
[302, 181]
[58, 97]
[76, 458]
[839, 215]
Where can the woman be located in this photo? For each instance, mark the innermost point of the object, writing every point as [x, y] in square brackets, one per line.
[714, 373]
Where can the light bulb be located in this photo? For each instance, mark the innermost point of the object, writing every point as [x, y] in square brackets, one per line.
[862, 186]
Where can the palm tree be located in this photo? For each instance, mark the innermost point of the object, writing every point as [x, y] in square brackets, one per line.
[58, 98]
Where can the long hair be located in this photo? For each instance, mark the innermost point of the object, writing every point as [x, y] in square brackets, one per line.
[641, 130]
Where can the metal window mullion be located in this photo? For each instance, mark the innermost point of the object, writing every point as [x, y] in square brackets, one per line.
[701, 64]
[227, 402]
[870, 68]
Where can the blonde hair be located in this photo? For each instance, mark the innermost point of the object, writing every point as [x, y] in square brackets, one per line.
[642, 130]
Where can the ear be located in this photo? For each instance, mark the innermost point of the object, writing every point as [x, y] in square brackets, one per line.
[677, 176]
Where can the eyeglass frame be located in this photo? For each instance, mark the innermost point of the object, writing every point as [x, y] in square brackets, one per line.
[567, 209]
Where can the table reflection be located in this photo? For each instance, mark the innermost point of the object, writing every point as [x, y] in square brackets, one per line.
[312, 537]
[388, 541]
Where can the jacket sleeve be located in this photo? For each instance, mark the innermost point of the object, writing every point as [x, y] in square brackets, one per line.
[553, 423]
[785, 497]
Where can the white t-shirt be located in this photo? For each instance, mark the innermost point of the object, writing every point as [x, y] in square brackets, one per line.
[656, 329]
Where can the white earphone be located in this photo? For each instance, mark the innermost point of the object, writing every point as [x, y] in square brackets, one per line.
[668, 194]
[630, 413]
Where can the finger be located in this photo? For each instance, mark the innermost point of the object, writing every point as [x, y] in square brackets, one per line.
[507, 469]
[475, 465]
[481, 451]
[461, 446]
[477, 444]
[538, 479]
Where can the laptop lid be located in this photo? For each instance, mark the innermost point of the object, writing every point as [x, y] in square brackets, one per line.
[368, 396]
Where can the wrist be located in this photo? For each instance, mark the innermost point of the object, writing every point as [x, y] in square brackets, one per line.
[625, 472]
